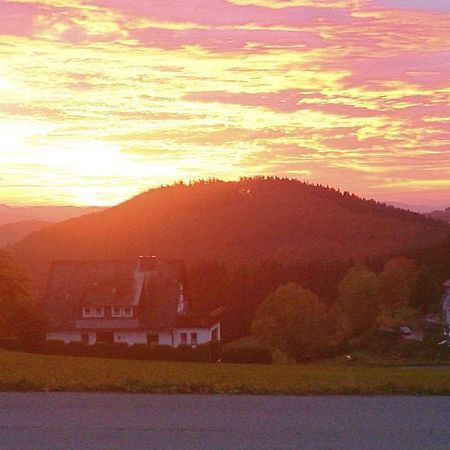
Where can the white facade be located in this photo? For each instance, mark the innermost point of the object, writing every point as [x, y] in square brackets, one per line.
[194, 336]
[72, 336]
[130, 337]
[179, 336]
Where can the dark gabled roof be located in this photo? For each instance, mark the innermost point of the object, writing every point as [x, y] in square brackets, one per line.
[151, 285]
[200, 320]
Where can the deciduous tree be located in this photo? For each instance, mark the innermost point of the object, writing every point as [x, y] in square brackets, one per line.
[19, 317]
[396, 283]
[426, 292]
[293, 320]
[358, 301]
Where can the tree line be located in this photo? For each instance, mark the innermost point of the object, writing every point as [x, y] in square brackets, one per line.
[19, 312]
[295, 321]
[351, 297]
[379, 290]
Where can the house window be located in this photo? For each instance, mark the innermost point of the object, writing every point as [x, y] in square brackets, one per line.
[193, 338]
[153, 338]
[116, 312]
[87, 311]
[98, 312]
[127, 312]
[183, 337]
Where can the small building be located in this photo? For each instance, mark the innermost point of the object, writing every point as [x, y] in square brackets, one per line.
[124, 301]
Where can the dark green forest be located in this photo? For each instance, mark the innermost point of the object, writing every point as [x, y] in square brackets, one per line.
[242, 240]
[239, 224]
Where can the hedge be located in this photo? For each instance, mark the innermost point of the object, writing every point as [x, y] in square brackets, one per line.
[247, 355]
[201, 353]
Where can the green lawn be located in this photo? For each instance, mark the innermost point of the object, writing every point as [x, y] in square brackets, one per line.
[23, 371]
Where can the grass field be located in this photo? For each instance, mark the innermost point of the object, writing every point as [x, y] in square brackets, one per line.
[33, 372]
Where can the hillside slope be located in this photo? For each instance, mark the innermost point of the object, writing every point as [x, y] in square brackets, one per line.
[14, 232]
[441, 215]
[234, 222]
[13, 214]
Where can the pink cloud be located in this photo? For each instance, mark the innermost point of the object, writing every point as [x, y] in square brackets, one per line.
[286, 101]
[17, 19]
[220, 12]
[414, 67]
[225, 40]
[283, 101]
[426, 5]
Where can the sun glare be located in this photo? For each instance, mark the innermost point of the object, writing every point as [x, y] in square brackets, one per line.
[5, 83]
[87, 158]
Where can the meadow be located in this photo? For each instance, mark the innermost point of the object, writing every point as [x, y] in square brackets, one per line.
[34, 372]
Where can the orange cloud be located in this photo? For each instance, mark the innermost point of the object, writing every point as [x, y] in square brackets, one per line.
[350, 93]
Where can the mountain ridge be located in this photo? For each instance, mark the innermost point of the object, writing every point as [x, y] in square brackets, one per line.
[235, 223]
[47, 213]
[11, 233]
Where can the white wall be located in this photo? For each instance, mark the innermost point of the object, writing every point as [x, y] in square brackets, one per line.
[70, 336]
[165, 338]
[66, 336]
[139, 337]
[217, 326]
[92, 338]
[130, 337]
[203, 335]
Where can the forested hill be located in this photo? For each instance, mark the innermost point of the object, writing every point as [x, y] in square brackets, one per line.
[441, 215]
[234, 222]
[14, 232]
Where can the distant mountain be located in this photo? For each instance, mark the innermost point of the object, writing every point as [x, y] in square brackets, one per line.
[14, 232]
[12, 214]
[423, 209]
[233, 222]
[441, 215]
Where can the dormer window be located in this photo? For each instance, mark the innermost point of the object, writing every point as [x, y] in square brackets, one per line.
[116, 312]
[127, 312]
[87, 311]
[123, 311]
[98, 312]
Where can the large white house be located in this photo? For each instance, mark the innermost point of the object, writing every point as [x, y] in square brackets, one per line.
[124, 301]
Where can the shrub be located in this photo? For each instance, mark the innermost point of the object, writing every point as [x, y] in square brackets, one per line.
[136, 351]
[381, 341]
[53, 347]
[103, 350]
[409, 348]
[247, 355]
[163, 353]
[9, 343]
[77, 349]
[202, 353]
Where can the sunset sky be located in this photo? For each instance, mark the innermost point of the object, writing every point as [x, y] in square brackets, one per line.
[101, 99]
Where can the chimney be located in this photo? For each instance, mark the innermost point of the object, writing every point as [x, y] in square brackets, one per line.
[147, 263]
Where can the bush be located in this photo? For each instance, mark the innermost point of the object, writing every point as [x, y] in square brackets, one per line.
[76, 349]
[202, 353]
[9, 343]
[409, 348]
[162, 353]
[53, 347]
[103, 350]
[247, 356]
[381, 341]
